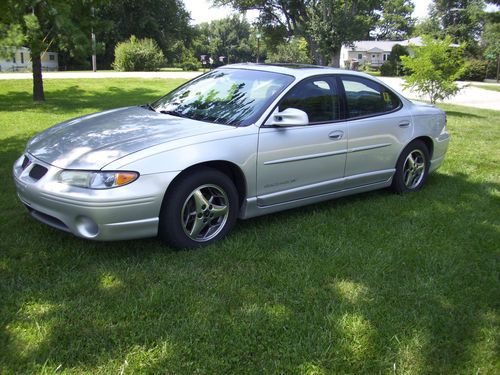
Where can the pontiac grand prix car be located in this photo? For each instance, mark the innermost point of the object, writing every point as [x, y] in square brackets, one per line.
[237, 142]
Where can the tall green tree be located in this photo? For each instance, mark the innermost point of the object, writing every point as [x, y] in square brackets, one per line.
[337, 22]
[165, 21]
[42, 24]
[461, 19]
[491, 42]
[396, 22]
[231, 37]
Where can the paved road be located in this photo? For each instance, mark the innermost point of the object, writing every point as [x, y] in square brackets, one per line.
[469, 95]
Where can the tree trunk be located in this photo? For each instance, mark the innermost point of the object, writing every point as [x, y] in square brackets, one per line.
[335, 57]
[38, 94]
[498, 66]
[313, 50]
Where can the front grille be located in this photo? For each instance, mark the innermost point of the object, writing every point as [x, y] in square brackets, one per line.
[26, 162]
[37, 172]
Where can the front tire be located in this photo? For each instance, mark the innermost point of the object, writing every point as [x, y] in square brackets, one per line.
[412, 168]
[201, 208]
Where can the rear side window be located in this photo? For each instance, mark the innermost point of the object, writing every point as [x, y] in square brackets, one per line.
[317, 97]
[366, 97]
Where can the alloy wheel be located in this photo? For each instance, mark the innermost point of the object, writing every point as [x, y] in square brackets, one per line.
[414, 169]
[205, 212]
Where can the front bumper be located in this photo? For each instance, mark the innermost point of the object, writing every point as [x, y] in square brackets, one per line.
[126, 212]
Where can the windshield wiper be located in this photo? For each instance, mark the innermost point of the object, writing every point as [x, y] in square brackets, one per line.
[174, 113]
[148, 106]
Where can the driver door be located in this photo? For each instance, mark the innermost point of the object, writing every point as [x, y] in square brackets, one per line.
[296, 162]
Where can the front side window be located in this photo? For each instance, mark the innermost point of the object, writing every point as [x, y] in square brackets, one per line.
[317, 97]
[366, 97]
[225, 96]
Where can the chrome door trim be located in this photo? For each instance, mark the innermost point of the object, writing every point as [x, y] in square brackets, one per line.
[371, 147]
[306, 157]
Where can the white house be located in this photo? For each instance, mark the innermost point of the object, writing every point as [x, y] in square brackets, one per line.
[371, 52]
[21, 61]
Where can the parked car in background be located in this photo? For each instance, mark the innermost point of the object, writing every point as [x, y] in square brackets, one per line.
[237, 142]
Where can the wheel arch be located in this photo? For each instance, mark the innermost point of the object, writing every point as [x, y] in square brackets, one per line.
[429, 143]
[230, 169]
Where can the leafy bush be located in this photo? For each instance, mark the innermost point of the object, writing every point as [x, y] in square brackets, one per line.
[295, 51]
[387, 69]
[434, 68]
[138, 55]
[393, 66]
[191, 65]
[474, 70]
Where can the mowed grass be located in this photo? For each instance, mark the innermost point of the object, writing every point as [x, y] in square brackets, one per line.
[488, 87]
[369, 284]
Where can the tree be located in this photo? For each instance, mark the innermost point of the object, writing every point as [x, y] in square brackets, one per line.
[337, 22]
[491, 41]
[231, 37]
[461, 19]
[434, 68]
[165, 21]
[328, 24]
[294, 51]
[396, 22]
[392, 67]
[62, 24]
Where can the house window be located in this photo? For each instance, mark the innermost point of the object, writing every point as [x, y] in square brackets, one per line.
[385, 57]
[14, 59]
[373, 56]
[22, 57]
[52, 57]
[360, 56]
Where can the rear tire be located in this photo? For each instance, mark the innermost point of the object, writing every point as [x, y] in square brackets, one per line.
[412, 168]
[199, 209]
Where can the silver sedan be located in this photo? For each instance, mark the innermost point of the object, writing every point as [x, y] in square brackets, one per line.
[237, 142]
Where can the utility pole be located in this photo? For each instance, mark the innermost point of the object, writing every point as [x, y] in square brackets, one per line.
[94, 59]
[258, 35]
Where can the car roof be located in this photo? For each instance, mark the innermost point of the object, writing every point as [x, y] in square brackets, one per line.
[297, 70]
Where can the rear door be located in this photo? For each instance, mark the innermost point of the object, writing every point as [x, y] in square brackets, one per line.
[378, 127]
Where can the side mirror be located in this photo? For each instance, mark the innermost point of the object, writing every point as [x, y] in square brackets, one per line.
[289, 117]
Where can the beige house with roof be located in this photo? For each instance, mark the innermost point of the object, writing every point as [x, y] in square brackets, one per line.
[21, 61]
[371, 52]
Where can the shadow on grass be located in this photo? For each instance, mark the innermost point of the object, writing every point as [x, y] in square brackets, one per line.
[463, 114]
[74, 97]
[359, 285]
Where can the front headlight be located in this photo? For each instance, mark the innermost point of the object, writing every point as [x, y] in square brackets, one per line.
[97, 180]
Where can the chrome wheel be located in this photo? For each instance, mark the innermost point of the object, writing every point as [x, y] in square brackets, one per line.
[205, 212]
[414, 169]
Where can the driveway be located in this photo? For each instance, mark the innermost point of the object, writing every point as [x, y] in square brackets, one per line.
[469, 95]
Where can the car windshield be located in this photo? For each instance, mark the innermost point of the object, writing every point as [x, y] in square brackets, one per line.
[225, 96]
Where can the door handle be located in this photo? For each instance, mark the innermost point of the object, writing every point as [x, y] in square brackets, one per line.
[336, 135]
[404, 124]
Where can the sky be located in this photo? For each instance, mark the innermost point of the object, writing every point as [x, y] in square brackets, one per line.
[202, 11]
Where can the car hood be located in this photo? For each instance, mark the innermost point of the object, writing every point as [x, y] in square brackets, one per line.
[93, 141]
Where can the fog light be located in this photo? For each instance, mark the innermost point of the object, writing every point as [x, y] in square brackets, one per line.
[86, 226]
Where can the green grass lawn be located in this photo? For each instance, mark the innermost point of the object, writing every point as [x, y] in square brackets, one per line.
[488, 87]
[375, 283]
